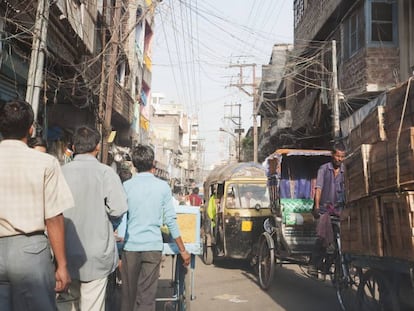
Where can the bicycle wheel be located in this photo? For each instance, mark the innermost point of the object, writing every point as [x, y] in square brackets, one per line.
[346, 281]
[266, 262]
[183, 286]
[376, 293]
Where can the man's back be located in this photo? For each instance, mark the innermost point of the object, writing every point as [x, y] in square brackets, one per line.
[33, 195]
[195, 199]
[21, 190]
[149, 204]
[90, 240]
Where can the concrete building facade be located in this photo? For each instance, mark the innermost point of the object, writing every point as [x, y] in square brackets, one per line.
[94, 63]
[178, 150]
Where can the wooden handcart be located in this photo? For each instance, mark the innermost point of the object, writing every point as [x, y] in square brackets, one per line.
[181, 284]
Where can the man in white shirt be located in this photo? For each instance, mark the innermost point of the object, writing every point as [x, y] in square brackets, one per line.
[33, 195]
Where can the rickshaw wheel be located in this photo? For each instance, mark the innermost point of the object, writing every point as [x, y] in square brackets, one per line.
[207, 254]
[266, 261]
[347, 285]
[375, 292]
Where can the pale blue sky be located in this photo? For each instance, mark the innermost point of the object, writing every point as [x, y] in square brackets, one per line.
[195, 42]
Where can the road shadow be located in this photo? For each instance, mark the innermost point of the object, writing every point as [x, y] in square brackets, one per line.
[165, 293]
[294, 291]
[235, 264]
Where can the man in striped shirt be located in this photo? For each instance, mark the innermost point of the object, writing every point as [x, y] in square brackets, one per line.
[33, 195]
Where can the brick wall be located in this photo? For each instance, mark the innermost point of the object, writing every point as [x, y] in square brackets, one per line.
[352, 74]
[370, 69]
[315, 15]
[381, 65]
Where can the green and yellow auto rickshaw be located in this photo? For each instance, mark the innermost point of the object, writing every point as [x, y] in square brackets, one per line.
[236, 205]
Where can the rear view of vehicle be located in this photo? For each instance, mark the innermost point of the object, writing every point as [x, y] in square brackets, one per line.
[237, 203]
[290, 234]
[294, 199]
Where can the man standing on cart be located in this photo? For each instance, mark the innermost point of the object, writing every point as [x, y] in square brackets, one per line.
[329, 198]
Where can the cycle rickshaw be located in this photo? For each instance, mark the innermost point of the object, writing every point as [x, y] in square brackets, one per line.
[181, 284]
[290, 234]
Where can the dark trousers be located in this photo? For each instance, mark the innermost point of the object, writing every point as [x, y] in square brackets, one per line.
[319, 248]
[140, 272]
[318, 253]
[27, 278]
[113, 292]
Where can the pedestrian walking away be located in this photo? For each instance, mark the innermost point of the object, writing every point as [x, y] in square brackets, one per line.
[150, 205]
[194, 198]
[33, 196]
[100, 203]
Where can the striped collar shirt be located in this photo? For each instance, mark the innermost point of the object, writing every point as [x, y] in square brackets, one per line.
[32, 189]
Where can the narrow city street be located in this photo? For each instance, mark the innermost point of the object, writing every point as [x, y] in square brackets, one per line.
[272, 128]
[231, 285]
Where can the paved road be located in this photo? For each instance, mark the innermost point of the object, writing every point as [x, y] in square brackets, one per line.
[231, 286]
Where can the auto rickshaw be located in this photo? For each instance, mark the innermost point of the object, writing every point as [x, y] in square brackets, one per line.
[236, 206]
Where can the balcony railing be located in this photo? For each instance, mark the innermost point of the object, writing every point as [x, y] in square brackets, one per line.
[123, 103]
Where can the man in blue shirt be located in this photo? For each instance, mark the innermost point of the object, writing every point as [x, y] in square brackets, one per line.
[150, 205]
[329, 197]
[330, 183]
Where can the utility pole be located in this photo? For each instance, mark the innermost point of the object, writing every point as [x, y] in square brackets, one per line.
[113, 56]
[102, 88]
[238, 130]
[335, 103]
[190, 145]
[241, 85]
[255, 104]
[37, 60]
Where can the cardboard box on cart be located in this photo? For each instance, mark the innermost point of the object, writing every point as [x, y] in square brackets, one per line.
[398, 224]
[371, 129]
[384, 169]
[381, 226]
[361, 231]
[357, 173]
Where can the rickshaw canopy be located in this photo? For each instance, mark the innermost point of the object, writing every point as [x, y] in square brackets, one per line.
[299, 152]
[236, 170]
[273, 161]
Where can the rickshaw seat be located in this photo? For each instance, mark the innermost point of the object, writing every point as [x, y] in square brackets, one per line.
[296, 211]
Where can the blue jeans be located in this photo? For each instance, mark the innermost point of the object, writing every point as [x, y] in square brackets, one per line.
[27, 278]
